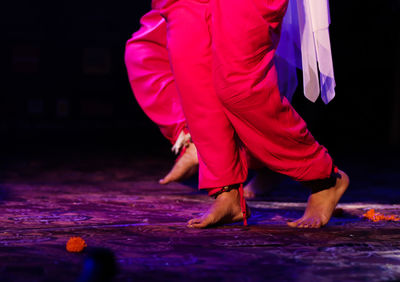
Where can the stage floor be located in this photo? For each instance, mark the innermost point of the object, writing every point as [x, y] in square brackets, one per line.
[117, 204]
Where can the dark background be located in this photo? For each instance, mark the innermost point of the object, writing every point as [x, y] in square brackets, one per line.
[64, 83]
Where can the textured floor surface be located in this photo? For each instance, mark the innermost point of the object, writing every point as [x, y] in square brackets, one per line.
[117, 204]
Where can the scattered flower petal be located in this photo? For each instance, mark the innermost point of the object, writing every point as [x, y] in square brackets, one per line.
[376, 216]
[76, 245]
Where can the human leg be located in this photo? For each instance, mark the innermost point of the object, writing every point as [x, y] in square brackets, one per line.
[153, 85]
[150, 76]
[246, 83]
[222, 162]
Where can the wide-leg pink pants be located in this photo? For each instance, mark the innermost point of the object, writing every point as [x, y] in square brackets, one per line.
[222, 55]
[150, 75]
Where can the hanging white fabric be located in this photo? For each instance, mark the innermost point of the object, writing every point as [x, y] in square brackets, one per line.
[305, 44]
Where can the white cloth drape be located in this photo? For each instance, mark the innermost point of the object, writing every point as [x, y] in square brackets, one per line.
[305, 44]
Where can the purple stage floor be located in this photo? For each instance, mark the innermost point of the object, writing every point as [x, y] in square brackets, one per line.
[117, 204]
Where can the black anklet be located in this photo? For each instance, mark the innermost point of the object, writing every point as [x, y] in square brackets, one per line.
[243, 204]
[225, 189]
[323, 184]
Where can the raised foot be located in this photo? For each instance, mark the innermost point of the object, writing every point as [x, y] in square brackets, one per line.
[261, 184]
[321, 205]
[226, 209]
[186, 166]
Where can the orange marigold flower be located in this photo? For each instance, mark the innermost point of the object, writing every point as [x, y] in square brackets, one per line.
[376, 216]
[75, 245]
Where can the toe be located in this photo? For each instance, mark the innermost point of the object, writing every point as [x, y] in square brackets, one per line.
[194, 221]
[294, 223]
[313, 224]
[167, 179]
[163, 181]
[317, 223]
[199, 223]
[302, 223]
[309, 223]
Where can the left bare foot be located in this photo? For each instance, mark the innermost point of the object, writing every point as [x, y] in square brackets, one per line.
[226, 209]
[186, 166]
[321, 205]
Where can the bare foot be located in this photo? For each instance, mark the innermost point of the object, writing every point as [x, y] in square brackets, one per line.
[262, 183]
[226, 209]
[186, 166]
[321, 205]
[248, 191]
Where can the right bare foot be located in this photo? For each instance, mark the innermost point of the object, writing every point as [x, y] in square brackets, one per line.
[186, 166]
[226, 209]
[321, 205]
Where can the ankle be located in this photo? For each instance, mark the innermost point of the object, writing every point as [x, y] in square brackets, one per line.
[234, 195]
[217, 192]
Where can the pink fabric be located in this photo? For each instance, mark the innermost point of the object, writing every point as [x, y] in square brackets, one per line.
[222, 55]
[150, 75]
[189, 42]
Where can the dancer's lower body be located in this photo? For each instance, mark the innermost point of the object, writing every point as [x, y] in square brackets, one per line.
[222, 55]
[152, 82]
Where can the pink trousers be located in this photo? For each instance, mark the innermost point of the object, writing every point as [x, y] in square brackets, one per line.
[150, 75]
[222, 57]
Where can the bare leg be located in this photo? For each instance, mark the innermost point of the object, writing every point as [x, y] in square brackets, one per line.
[226, 209]
[321, 205]
[186, 166]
